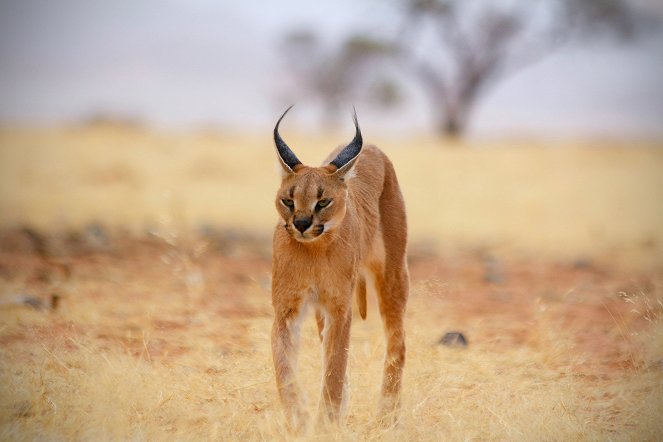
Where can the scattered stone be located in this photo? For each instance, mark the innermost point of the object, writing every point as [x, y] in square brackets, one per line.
[656, 365]
[454, 339]
[93, 238]
[55, 301]
[582, 263]
[492, 270]
[34, 302]
[39, 242]
[233, 243]
[421, 251]
[20, 299]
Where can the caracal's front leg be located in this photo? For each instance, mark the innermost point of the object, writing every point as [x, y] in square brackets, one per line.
[285, 347]
[336, 343]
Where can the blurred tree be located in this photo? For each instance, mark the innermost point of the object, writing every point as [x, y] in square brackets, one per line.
[472, 44]
[456, 50]
[338, 75]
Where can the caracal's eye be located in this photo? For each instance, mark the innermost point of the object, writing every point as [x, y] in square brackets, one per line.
[288, 202]
[323, 203]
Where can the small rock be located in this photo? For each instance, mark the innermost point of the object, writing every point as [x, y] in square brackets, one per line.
[31, 301]
[492, 270]
[582, 263]
[656, 365]
[454, 339]
[55, 301]
[21, 299]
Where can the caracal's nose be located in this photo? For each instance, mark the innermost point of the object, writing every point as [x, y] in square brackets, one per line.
[303, 223]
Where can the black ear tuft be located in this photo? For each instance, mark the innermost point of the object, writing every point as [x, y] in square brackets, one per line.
[287, 156]
[351, 150]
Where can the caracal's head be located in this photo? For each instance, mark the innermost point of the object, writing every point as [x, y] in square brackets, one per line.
[312, 200]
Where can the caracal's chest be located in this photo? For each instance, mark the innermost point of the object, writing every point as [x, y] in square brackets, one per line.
[322, 272]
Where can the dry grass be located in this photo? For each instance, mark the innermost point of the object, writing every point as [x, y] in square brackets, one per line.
[168, 338]
[135, 351]
[569, 199]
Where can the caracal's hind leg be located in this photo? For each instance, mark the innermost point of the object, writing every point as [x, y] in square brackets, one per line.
[392, 291]
[392, 284]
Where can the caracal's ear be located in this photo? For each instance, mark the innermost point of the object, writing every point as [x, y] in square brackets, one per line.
[287, 158]
[346, 158]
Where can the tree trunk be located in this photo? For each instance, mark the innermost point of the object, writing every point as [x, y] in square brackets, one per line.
[451, 128]
[451, 124]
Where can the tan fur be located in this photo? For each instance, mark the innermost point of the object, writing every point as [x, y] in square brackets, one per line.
[364, 235]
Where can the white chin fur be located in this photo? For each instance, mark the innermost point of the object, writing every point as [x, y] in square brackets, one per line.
[301, 238]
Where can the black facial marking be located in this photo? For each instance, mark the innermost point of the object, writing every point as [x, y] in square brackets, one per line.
[318, 229]
[291, 192]
[319, 192]
[322, 204]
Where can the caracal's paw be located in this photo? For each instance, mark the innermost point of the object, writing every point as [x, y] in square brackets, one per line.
[388, 411]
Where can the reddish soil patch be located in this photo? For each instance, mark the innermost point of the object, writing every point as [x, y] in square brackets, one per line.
[509, 297]
[601, 308]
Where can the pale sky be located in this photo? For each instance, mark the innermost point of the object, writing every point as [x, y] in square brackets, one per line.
[191, 63]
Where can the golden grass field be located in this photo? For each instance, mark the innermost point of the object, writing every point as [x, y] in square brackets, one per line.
[547, 256]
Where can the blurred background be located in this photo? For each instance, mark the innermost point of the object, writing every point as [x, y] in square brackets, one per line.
[528, 123]
[554, 67]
